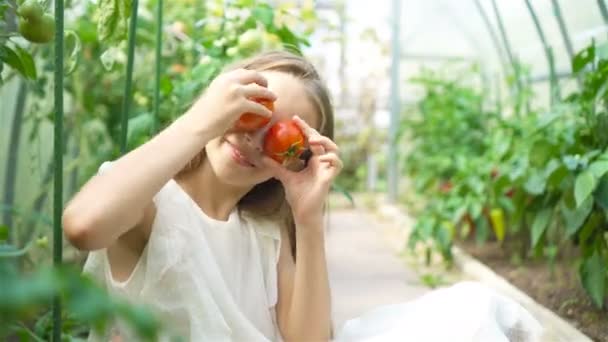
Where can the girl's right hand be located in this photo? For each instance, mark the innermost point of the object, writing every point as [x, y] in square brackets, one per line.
[227, 98]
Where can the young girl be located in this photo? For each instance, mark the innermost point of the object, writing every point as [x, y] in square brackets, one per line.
[202, 226]
[228, 245]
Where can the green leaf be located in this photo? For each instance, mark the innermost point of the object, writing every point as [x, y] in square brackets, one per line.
[8, 56]
[535, 184]
[139, 128]
[539, 225]
[583, 187]
[264, 14]
[108, 19]
[594, 221]
[556, 177]
[4, 233]
[540, 153]
[598, 168]
[73, 58]
[601, 193]
[583, 58]
[593, 275]
[342, 190]
[574, 218]
[29, 67]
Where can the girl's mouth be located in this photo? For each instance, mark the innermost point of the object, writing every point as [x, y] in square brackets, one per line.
[238, 156]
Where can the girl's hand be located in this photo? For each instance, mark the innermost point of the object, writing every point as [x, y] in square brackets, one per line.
[307, 190]
[227, 98]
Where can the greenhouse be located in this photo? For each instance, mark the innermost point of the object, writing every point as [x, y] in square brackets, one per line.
[310, 170]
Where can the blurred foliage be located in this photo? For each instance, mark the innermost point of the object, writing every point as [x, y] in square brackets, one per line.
[199, 38]
[25, 304]
[536, 182]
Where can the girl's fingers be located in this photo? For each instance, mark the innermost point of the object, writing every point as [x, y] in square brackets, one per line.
[317, 150]
[278, 171]
[308, 131]
[250, 76]
[256, 91]
[332, 159]
[256, 108]
[324, 141]
[314, 137]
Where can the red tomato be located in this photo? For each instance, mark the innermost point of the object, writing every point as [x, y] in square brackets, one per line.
[251, 122]
[445, 187]
[284, 141]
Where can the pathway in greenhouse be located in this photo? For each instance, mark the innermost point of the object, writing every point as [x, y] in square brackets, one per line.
[364, 269]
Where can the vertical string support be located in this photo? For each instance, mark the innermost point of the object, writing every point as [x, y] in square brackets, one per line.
[159, 36]
[393, 178]
[126, 104]
[58, 161]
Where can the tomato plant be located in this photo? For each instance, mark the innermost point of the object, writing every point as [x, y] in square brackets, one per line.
[538, 181]
[284, 141]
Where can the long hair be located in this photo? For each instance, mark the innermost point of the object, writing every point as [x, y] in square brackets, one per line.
[267, 199]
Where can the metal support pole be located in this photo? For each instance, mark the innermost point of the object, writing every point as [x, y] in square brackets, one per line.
[603, 10]
[395, 103]
[58, 161]
[514, 63]
[342, 70]
[563, 29]
[554, 91]
[126, 105]
[493, 36]
[158, 61]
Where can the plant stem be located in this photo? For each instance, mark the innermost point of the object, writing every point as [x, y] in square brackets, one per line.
[13, 157]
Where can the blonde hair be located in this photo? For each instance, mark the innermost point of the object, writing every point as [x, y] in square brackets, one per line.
[267, 199]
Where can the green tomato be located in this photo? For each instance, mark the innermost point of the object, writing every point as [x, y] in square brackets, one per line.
[232, 51]
[31, 10]
[212, 28]
[42, 242]
[251, 40]
[42, 31]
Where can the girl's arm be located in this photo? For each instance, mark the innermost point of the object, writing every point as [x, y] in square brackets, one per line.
[304, 309]
[111, 203]
[120, 199]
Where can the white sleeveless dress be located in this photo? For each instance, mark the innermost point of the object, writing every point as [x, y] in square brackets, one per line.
[217, 281]
[210, 280]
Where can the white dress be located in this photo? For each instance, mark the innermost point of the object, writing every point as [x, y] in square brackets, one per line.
[217, 281]
[210, 280]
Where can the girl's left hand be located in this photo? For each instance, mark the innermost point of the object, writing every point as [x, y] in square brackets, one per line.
[307, 190]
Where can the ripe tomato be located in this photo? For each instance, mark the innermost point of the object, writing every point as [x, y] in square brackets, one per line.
[251, 122]
[284, 141]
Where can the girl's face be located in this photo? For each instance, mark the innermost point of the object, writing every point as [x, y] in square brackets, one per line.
[236, 157]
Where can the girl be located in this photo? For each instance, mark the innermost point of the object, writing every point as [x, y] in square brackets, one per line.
[205, 228]
[228, 245]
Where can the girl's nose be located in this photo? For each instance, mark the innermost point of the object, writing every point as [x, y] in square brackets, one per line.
[256, 138]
